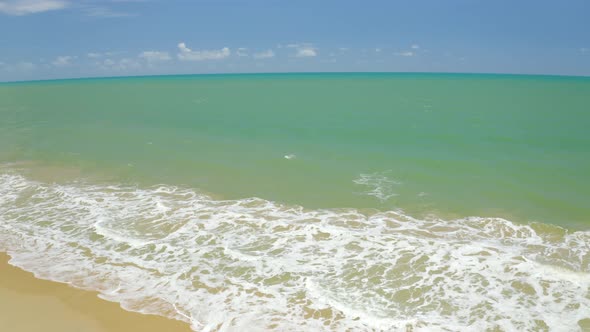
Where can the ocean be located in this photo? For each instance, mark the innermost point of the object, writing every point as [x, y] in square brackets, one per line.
[298, 202]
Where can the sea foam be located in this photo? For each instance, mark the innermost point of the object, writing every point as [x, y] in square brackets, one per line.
[378, 185]
[253, 264]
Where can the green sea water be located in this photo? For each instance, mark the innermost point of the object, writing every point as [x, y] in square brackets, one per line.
[502, 160]
[483, 145]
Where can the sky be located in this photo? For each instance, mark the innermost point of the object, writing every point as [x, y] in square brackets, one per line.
[49, 39]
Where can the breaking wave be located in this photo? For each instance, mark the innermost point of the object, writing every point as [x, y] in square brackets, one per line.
[253, 264]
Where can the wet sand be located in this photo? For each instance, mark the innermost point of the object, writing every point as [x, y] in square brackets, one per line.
[28, 304]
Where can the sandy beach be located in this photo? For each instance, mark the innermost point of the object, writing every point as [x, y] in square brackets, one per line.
[28, 304]
[376, 201]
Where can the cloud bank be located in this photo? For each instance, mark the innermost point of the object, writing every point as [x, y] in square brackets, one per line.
[26, 7]
[62, 61]
[264, 55]
[304, 50]
[406, 53]
[186, 54]
[155, 56]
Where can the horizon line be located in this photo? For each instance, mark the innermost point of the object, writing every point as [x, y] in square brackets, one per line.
[290, 73]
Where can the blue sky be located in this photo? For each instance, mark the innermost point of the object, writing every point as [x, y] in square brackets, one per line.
[41, 39]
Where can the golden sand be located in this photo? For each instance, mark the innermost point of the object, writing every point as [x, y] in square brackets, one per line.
[28, 304]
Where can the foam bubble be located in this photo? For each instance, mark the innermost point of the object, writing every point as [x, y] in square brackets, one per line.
[234, 265]
[379, 185]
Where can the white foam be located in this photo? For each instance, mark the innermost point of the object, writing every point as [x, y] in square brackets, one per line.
[379, 185]
[253, 264]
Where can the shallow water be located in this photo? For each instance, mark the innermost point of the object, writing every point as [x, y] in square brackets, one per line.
[386, 201]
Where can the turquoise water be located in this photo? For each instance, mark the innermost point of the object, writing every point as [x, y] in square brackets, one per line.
[510, 146]
[391, 170]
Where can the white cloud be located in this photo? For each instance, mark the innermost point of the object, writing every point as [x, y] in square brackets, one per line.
[20, 67]
[129, 64]
[304, 50]
[264, 55]
[415, 46]
[155, 56]
[124, 64]
[187, 54]
[104, 12]
[377, 50]
[343, 49]
[26, 66]
[26, 7]
[63, 60]
[406, 53]
[584, 50]
[96, 55]
[241, 52]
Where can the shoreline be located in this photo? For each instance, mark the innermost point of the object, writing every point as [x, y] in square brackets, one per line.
[29, 304]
